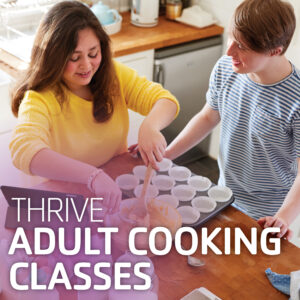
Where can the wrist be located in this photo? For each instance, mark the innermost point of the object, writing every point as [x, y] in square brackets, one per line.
[91, 179]
[282, 216]
[149, 124]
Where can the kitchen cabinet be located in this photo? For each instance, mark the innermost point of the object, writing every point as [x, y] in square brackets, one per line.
[142, 62]
[7, 119]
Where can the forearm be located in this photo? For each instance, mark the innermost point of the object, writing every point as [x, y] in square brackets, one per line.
[290, 208]
[195, 131]
[161, 115]
[52, 165]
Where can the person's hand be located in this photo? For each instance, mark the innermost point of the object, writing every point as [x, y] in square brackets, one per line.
[105, 187]
[152, 145]
[270, 221]
[133, 149]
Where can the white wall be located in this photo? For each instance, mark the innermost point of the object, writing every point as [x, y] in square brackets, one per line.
[223, 10]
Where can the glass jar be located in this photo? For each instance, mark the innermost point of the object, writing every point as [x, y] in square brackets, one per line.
[173, 9]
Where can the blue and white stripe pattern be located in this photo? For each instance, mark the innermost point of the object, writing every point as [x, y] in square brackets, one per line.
[260, 136]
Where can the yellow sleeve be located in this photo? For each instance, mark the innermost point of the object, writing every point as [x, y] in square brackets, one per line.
[32, 131]
[140, 94]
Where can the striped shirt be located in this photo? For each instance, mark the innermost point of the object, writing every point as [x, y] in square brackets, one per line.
[260, 136]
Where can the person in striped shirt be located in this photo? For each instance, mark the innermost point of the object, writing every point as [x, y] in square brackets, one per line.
[254, 92]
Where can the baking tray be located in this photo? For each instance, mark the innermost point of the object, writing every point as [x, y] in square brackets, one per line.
[204, 217]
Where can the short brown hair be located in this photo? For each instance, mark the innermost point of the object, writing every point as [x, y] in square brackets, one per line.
[55, 41]
[264, 25]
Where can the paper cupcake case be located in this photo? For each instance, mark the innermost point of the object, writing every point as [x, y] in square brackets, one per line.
[190, 199]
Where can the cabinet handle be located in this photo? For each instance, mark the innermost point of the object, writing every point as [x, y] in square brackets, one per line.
[159, 72]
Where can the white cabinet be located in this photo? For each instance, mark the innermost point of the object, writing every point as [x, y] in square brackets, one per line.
[7, 119]
[142, 62]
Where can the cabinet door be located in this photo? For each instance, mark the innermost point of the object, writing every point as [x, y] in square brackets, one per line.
[142, 62]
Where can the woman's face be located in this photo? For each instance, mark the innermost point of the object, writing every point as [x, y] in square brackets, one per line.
[245, 60]
[84, 62]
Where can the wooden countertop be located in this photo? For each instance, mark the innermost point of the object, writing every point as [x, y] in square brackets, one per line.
[133, 39]
[232, 276]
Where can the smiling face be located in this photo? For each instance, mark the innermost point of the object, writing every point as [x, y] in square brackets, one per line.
[84, 61]
[245, 60]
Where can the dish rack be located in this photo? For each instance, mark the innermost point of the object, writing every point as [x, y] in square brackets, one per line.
[18, 23]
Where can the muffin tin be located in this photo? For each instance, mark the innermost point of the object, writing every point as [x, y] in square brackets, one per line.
[194, 196]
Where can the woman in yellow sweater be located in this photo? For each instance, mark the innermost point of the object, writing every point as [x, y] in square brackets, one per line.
[72, 105]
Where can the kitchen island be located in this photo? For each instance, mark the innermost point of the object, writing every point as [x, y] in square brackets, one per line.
[232, 276]
[132, 39]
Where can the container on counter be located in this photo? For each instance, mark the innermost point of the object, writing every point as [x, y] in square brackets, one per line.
[173, 9]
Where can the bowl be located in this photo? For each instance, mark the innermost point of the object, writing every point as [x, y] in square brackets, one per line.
[180, 173]
[183, 192]
[163, 182]
[140, 171]
[127, 181]
[160, 214]
[189, 214]
[115, 27]
[164, 165]
[220, 193]
[200, 183]
[170, 199]
[204, 204]
[152, 191]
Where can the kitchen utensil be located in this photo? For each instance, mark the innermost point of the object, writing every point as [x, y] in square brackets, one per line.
[200, 183]
[104, 14]
[220, 193]
[194, 261]
[152, 191]
[163, 182]
[180, 173]
[140, 171]
[160, 214]
[144, 13]
[141, 207]
[189, 214]
[115, 27]
[172, 200]
[127, 181]
[204, 204]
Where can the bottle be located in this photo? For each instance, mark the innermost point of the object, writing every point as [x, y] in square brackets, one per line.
[173, 9]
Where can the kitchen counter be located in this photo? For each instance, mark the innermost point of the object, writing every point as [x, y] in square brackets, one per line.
[230, 276]
[132, 39]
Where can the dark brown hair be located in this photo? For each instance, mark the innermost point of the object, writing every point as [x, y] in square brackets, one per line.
[55, 41]
[264, 25]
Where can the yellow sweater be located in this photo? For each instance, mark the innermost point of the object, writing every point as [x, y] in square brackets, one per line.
[72, 130]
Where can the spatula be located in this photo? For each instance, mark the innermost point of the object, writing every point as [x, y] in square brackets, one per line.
[141, 207]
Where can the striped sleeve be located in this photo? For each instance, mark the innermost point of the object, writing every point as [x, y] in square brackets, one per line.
[212, 93]
[296, 133]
